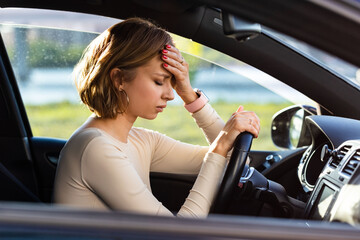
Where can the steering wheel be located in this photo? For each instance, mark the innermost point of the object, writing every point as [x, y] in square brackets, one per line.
[233, 172]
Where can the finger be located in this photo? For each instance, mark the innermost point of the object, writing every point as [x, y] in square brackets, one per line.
[172, 49]
[177, 59]
[173, 53]
[257, 129]
[240, 108]
[244, 114]
[251, 128]
[174, 62]
[173, 70]
[256, 125]
[250, 115]
[254, 131]
[248, 124]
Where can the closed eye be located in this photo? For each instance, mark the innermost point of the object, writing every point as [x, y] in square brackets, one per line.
[158, 83]
[160, 78]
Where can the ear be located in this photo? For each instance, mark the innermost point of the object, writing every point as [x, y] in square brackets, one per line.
[116, 77]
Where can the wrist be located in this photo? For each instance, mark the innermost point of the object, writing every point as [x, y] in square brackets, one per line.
[199, 103]
[218, 146]
[189, 97]
[219, 150]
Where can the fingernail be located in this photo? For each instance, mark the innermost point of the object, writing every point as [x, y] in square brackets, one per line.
[165, 65]
[165, 51]
[168, 46]
[165, 57]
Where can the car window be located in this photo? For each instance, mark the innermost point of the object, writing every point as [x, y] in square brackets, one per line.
[347, 71]
[43, 58]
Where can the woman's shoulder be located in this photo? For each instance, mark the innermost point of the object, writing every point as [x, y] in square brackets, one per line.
[82, 138]
[92, 142]
[85, 135]
[78, 143]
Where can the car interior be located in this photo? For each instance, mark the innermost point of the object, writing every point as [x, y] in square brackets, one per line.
[311, 178]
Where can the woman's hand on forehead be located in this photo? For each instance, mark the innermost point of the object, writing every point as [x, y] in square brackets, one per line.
[179, 68]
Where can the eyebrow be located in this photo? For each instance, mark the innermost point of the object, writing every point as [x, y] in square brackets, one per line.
[165, 75]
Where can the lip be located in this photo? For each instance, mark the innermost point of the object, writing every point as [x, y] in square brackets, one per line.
[160, 108]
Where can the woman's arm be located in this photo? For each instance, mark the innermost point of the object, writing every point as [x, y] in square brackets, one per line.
[209, 122]
[206, 117]
[111, 175]
[176, 157]
[172, 156]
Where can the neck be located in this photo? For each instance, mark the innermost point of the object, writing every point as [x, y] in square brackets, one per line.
[118, 127]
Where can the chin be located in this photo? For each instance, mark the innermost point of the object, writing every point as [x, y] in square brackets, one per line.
[149, 117]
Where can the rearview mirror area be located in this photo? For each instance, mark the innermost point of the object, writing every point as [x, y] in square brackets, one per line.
[288, 129]
[238, 28]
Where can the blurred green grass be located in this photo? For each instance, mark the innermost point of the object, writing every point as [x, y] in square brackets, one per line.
[60, 120]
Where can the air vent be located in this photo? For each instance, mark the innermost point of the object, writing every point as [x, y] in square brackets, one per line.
[353, 162]
[336, 159]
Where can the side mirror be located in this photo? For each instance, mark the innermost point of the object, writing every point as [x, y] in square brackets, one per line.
[288, 128]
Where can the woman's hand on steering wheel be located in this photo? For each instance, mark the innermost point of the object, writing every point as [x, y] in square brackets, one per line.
[238, 133]
[240, 121]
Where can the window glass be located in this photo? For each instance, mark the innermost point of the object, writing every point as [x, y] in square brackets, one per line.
[43, 59]
[347, 71]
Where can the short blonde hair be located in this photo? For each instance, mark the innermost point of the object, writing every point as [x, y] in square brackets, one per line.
[126, 45]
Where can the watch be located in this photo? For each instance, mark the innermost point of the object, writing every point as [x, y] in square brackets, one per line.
[198, 103]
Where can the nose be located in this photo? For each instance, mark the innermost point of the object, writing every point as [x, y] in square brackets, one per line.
[168, 93]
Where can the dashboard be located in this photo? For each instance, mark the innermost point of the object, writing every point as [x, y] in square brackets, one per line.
[329, 169]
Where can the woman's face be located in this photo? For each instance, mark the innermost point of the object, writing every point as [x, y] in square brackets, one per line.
[149, 91]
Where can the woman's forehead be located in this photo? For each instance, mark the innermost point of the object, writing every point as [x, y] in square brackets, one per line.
[155, 67]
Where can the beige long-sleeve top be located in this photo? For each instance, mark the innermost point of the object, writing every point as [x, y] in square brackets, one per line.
[99, 172]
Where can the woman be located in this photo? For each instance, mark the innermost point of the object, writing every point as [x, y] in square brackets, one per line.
[127, 72]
